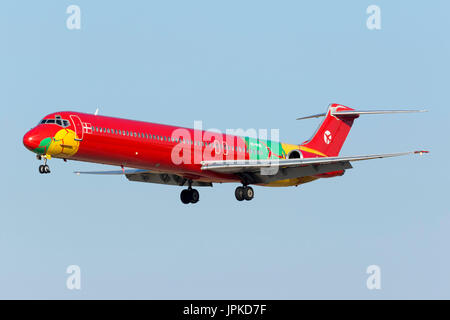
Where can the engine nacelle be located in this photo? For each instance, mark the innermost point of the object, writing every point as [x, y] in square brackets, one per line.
[295, 154]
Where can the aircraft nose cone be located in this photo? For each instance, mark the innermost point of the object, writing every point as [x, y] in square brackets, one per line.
[31, 139]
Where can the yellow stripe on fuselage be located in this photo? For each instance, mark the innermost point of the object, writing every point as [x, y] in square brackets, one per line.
[289, 182]
[287, 147]
[294, 181]
[303, 148]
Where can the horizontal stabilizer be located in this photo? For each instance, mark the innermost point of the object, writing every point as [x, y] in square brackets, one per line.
[313, 116]
[356, 113]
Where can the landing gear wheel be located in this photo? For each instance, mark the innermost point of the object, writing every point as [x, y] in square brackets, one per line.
[43, 168]
[185, 196]
[195, 196]
[239, 193]
[248, 193]
[189, 196]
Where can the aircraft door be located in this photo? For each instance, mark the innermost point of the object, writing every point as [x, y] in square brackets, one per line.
[78, 127]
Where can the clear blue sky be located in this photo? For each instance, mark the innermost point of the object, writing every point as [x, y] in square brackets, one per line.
[232, 64]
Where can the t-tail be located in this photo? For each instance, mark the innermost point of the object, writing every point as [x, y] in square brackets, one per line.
[332, 132]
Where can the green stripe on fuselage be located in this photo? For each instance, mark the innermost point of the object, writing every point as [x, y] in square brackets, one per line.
[261, 149]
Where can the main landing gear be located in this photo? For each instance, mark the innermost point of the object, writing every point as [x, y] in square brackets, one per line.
[244, 193]
[189, 195]
[43, 168]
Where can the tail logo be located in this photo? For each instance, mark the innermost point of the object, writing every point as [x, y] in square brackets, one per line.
[327, 137]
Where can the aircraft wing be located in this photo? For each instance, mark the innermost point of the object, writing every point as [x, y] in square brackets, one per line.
[265, 171]
[141, 175]
[113, 172]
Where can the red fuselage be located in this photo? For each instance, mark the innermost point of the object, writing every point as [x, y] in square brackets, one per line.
[155, 147]
[136, 144]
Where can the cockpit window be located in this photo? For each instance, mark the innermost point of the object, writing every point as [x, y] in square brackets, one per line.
[57, 120]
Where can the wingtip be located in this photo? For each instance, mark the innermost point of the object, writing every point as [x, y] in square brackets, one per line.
[421, 152]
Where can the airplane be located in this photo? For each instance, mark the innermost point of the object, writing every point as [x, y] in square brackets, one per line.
[164, 154]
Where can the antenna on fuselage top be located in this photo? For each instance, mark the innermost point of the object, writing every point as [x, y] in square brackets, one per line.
[96, 112]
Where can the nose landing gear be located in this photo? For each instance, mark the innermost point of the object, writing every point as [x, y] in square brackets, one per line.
[43, 168]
